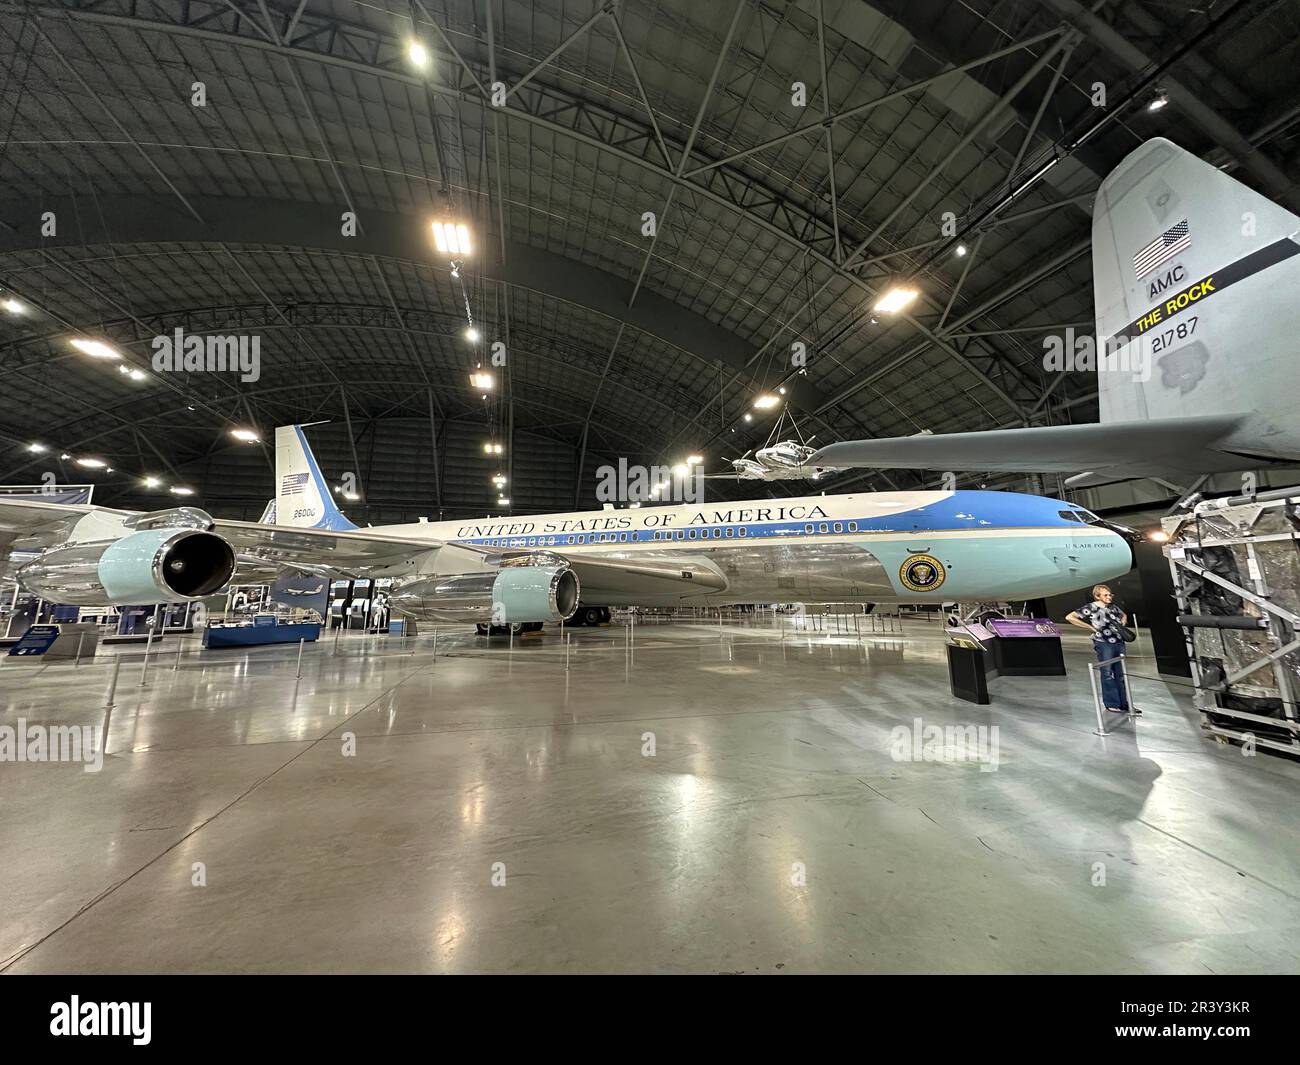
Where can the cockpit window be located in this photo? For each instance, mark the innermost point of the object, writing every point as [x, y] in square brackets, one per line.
[1069, 515]
[1086, 515]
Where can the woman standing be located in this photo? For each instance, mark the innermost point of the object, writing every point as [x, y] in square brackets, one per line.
[1106, 621]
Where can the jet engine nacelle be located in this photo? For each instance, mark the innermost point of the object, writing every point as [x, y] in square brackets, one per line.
[150, 566]
[500, 597]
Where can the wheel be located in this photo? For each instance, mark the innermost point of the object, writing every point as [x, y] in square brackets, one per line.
[604, 615]
[481, 628]
[590, 615]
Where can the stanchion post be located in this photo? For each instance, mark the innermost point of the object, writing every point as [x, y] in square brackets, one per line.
[301, 643]
[112, 684]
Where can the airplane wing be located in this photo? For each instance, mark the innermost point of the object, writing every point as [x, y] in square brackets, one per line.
[1167, 444]
[30, 525]
[318, 549]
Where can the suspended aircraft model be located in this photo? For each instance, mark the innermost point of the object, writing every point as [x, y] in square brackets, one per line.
[784, 460]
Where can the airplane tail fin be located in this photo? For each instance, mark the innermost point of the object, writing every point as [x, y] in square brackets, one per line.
[302, 498]
[1198, 272]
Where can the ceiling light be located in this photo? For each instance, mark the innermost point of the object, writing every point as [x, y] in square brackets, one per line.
[417, 53]
[181, 490]
[1158, 102]
[91, 463]
[96, 349]
[490, 448]
[245, 436]
[14, 306]
[472, 335]
[896, 299]
[781, 390]
[483, 382]
[748, 417]
[351, 497]
[960, 250]
[452, 238]
[681, 469]
[152, 482]
[766, 401]
[502, 501]
[36, 449]
[694, 460]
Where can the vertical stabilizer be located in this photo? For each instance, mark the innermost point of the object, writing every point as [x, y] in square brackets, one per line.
[1202, 272]
[302, 498]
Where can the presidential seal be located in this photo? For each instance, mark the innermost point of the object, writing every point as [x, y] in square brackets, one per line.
[922, 573]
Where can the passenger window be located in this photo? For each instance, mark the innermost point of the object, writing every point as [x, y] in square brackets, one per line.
[824, 527]
[694, 533]
[622, 537]
[744, 530]
[731, 531]
[839, 527]
[853, 526]
[807, 528]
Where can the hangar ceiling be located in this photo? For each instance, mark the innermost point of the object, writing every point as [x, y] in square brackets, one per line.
[777, 224]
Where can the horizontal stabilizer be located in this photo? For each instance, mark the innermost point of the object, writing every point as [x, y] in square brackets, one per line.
[1168, 443]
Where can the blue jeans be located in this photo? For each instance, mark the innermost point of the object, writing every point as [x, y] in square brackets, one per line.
[1113, 682]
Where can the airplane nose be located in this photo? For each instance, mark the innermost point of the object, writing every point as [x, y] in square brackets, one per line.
[1116, 558]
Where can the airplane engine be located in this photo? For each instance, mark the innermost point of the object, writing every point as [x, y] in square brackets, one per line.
[500, 597]
[150, 566]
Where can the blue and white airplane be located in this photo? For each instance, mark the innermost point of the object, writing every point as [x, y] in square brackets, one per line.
[904, 547]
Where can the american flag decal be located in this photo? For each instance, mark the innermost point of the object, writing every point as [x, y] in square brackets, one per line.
[1172, 241]
[293, 484]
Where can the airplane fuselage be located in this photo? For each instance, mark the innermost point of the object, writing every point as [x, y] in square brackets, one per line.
[866, 547]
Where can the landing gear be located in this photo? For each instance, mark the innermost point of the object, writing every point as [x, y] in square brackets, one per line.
[515, 628]
[589, 615]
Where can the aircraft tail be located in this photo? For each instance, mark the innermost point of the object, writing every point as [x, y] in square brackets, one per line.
[1198, 272]
[302, 498]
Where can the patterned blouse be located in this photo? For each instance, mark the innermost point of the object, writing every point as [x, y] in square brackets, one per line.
[1105, 621]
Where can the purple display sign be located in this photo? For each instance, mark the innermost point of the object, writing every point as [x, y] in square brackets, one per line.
[1020, 627]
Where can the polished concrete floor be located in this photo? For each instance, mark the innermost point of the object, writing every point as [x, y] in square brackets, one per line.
[476, 808]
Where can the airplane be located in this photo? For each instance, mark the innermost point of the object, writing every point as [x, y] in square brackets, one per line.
[785, 460]
[1195, 278]
[517, 572]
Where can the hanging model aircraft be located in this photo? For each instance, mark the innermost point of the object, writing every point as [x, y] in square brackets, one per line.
[526, 570]
[785, 460]
[1196, 279]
